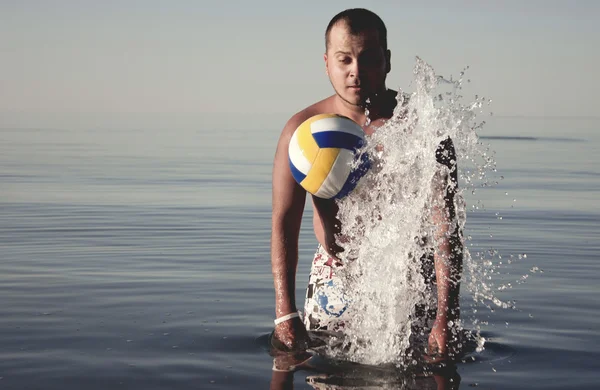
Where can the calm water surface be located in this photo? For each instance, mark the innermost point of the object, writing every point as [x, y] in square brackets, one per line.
[140, 259]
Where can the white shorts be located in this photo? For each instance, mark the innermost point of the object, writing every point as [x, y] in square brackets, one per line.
[325, 307]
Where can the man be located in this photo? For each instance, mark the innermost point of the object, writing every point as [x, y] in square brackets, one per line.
[357, 62]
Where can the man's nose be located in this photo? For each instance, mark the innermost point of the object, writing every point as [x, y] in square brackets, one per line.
[357, 69]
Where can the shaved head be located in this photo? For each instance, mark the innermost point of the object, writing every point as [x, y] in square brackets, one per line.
[358, 20]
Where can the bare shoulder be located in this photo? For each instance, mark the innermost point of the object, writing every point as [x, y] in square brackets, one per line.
[321, 107]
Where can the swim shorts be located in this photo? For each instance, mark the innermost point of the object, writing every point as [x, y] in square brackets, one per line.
[325, 304]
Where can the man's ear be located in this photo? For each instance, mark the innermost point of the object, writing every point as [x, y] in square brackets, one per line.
[388, 61]
[325, 59]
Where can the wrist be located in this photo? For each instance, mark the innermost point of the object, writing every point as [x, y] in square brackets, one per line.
[442, 317]
[447, 318]
[284, 308]
[285, 302]
[286, 318]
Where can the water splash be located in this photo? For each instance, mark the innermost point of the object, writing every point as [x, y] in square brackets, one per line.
[367, 113]
[387, 225]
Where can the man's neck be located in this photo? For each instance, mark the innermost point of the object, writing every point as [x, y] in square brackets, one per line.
[377, 107]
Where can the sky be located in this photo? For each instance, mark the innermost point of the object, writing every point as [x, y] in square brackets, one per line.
[255, 63]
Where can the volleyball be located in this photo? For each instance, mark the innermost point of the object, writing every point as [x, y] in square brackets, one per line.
[324, 156]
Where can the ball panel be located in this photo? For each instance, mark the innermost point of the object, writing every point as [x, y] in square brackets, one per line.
[337, 123]
[307, 143]
[297, 158]
[354, 177]
[296, 173]
[337, 139]
[340, 168]
[320, 169]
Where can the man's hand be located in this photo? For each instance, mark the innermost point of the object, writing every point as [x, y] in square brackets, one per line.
[439, 338]
[292, 335]
[443, 340]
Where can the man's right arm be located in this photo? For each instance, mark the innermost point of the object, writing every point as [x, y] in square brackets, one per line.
[288, 205]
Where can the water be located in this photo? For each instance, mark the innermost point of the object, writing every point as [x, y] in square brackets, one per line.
[140, 258]
[386, 218]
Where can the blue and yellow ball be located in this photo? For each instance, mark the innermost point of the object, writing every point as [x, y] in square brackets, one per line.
[324, 158]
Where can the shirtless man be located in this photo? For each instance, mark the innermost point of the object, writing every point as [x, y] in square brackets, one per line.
[357, 62]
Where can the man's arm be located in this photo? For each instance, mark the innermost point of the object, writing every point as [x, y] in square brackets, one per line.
[288, 205]
[448, 248]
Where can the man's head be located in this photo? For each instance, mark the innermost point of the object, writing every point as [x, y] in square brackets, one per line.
[356, 58]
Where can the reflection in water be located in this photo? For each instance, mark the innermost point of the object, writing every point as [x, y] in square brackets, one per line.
[331, 376]
[327, 373]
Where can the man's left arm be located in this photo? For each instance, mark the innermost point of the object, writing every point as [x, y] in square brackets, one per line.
[448, 249]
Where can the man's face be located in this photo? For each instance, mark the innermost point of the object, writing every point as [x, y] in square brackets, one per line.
[357, 65]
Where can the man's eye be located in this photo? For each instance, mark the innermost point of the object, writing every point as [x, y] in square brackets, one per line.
[372, 59]
[345, 60]
[368, 60]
